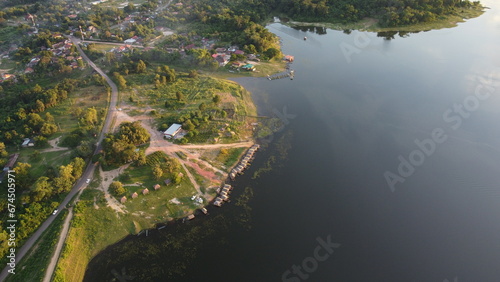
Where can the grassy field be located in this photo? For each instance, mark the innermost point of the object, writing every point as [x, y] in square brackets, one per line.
[81, 99]
[224, 159]
[235, 100]
[45, 160]
[155, 207]
[92, 229]
[104, 47]
[262, 69]
[34, 264]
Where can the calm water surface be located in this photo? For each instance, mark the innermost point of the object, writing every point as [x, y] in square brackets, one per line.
[355, 117]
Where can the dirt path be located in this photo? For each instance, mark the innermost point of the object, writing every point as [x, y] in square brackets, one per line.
[107, 177]
[60, 243]
[54, 143]
[218, 146]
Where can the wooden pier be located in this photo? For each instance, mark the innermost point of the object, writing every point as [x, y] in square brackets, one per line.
[290, 74]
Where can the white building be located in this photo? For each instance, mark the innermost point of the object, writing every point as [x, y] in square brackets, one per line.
[172, 130]
[130, 41]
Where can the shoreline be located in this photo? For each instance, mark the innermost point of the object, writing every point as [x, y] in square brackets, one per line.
[371, 24]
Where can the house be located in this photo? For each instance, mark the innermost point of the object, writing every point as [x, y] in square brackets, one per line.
[157, 186]
[130, 41]
[134, 195]
[172, 130]
[237, 64]
[28, 142]
[167, 181]
[28, 70]
[248, 67]
[220, 50]
[239, 52]
[7, 76]
[222, 60]
[12, 161]
[123, 200]
[145, 191]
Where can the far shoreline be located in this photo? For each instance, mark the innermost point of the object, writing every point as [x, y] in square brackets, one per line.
[371, 24]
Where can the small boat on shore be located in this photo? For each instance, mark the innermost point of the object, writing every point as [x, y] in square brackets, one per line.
[204, 210]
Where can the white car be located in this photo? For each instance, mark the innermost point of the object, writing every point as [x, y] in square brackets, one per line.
[55, 211]
[87, 181]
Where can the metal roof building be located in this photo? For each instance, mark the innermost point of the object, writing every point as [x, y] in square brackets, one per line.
[172, 130]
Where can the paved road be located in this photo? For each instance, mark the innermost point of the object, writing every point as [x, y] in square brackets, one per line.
[89, 171]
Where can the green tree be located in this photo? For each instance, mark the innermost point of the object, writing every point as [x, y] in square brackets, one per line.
[141, 159]
[90, 117]
[133, 133]
[3, 154]
[64, 181]
[48, 129]
[122, 82]
[23, 175]
[42, 189]
[188, 125]
[202, 106]
[117, 188]
[157, 172]
[180, 96]
[193, 74]
[39, 106]
[49, 118]
[272, 53]
[216, 99]
[78, 167]
[141, 67]
[84, 149]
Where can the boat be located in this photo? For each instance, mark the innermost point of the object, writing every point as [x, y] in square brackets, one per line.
[189, 217]
[204, 210]
[305, 38]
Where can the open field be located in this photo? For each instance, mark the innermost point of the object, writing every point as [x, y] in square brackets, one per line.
[92, 229]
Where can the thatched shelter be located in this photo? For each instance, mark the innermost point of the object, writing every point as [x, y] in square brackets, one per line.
[145, 191]
[134, 195]
[123, 200]
[157, 186]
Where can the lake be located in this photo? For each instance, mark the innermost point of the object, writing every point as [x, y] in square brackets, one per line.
[387, 168]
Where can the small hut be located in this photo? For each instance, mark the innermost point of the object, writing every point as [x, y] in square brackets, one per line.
[123, 200]
[135, 195]
[156, 187]
[248, 67]
[167, 181]
[145, 191]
